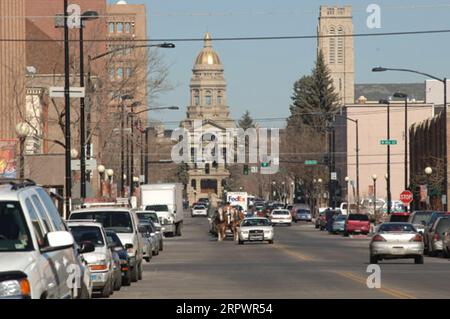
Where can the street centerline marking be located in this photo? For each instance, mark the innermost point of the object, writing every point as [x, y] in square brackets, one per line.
[294, 254]
[388, 291]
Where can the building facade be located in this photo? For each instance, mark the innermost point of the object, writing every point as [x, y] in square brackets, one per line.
[208, 118]
[338, 51]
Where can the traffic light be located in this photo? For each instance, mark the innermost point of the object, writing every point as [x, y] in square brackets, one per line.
[245, 169]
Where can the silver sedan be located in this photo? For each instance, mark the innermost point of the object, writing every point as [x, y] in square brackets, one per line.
[396, 241]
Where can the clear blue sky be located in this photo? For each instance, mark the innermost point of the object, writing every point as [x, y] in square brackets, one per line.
[260, 74]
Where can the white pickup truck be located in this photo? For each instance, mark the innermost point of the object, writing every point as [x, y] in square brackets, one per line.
[167, 201]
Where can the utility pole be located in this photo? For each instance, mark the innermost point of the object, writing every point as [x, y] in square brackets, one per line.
[67, 134]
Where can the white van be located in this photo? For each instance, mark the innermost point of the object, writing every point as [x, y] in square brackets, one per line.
[38, 256]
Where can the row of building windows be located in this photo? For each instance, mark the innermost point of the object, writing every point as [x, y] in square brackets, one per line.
[208, 98]
[332, 11]
[120, 73]
[336, 52]
[120, 27]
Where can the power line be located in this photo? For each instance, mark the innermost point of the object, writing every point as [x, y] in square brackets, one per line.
[257, 38]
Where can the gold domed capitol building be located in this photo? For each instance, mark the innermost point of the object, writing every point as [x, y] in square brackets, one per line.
[208, 106]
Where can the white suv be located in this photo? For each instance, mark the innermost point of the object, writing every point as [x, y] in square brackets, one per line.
[38, 258]
[125, 223]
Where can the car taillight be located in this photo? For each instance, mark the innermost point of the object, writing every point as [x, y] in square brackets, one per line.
[417, 238]
[378, 238]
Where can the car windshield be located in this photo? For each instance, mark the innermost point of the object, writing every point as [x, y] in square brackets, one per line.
[14, 234]
[83, 234]
[421, 218]
[199, 207]
[147, 216]
[280, 212]
[397, 228]
[255, 222]
[120, 222]
[399, 218]
[113, 238]
[157, 208]
[443, 225]
[360, 217]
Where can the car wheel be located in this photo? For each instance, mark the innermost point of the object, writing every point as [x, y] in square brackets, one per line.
[107, 289]
[271, 242]
[316, 226]
[373, 259]
[118, 284]
[141, 271]
[147, 259]
[134, 274]
[346, 233]
[418, 260]
[126, 280]
[241, 242]
[161, 245]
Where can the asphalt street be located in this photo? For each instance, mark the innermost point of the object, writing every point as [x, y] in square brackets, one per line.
[303, 263]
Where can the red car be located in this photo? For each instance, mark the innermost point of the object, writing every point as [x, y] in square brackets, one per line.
[401, 217]
[357, 223]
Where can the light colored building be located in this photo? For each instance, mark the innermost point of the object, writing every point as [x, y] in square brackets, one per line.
[372, 120]
[339, 51]
[208, 114]
[434, 92]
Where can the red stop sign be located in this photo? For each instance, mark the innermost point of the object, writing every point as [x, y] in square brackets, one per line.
[406, 197]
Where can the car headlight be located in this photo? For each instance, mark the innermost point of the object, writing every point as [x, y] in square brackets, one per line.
[15, 288]
[101, 265]
[267, 231]
[244, 232]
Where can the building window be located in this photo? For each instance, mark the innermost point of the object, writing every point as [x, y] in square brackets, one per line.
[120, 73]
[112, 74]
[194, 184]
[120, 27]
[330, 11]
[341, 11]
[340, 84]
[207, 168]
[219, 98]
[196, 98]
[127, 27]
[332, 53]
[208, 98]
[129, 72]
[340, 46]
[111, 27]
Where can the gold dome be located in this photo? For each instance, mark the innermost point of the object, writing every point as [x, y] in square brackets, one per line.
[208, 56]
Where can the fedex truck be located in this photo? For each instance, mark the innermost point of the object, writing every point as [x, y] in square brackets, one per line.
[238, 198]
[167, 201]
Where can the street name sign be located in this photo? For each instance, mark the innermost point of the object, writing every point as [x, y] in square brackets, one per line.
[388, 142]
[310, 162]
[74, 92]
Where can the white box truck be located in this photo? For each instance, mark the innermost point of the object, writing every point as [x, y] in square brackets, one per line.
[238, 198]
[167, 201]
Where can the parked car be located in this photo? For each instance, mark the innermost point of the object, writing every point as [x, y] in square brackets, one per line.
[396, 240]
[302, 215]
[436, 233]
[100, 261]
[419, 219]
[149, 232]
[147, 247]
[255, 229]
[327, 221]
[430, 223]
[121, 250]
[399, 217]
[338, 224]
[357, 223]
[320, 220]
[345, 209]
[281, 217]
[124, 222]
[33, 238]
[152, 217]
[199, 210]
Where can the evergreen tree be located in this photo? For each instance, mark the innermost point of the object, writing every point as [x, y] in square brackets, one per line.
[246, 121]
[314, 101]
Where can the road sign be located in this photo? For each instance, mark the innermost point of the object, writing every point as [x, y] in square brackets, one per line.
[406, 197]
[310, 162]
[91, 165]
[265, 164]
[334, 176]
[388, 142]
[75, 92]
[254, 169]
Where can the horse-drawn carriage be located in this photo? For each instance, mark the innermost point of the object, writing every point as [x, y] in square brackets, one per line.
[225, 219]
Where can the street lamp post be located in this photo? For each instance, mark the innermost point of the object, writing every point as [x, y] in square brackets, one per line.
[86, 16]
[405, 97]
[388, 180]
[428, 172]
[101, 171]
[444, 82]
[110, 174]
[374, 178]
[347, 181]
[22, 131]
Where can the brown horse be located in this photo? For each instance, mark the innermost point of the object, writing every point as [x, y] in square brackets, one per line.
[220, 224]
[237, 218]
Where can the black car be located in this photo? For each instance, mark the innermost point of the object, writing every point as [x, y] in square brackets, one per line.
[118, 247]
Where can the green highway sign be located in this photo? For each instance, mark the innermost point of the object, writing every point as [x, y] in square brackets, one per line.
[388, 142]
[311, 162]
[265, 164]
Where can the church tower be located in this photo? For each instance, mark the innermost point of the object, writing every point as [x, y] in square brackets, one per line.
[335, 24]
